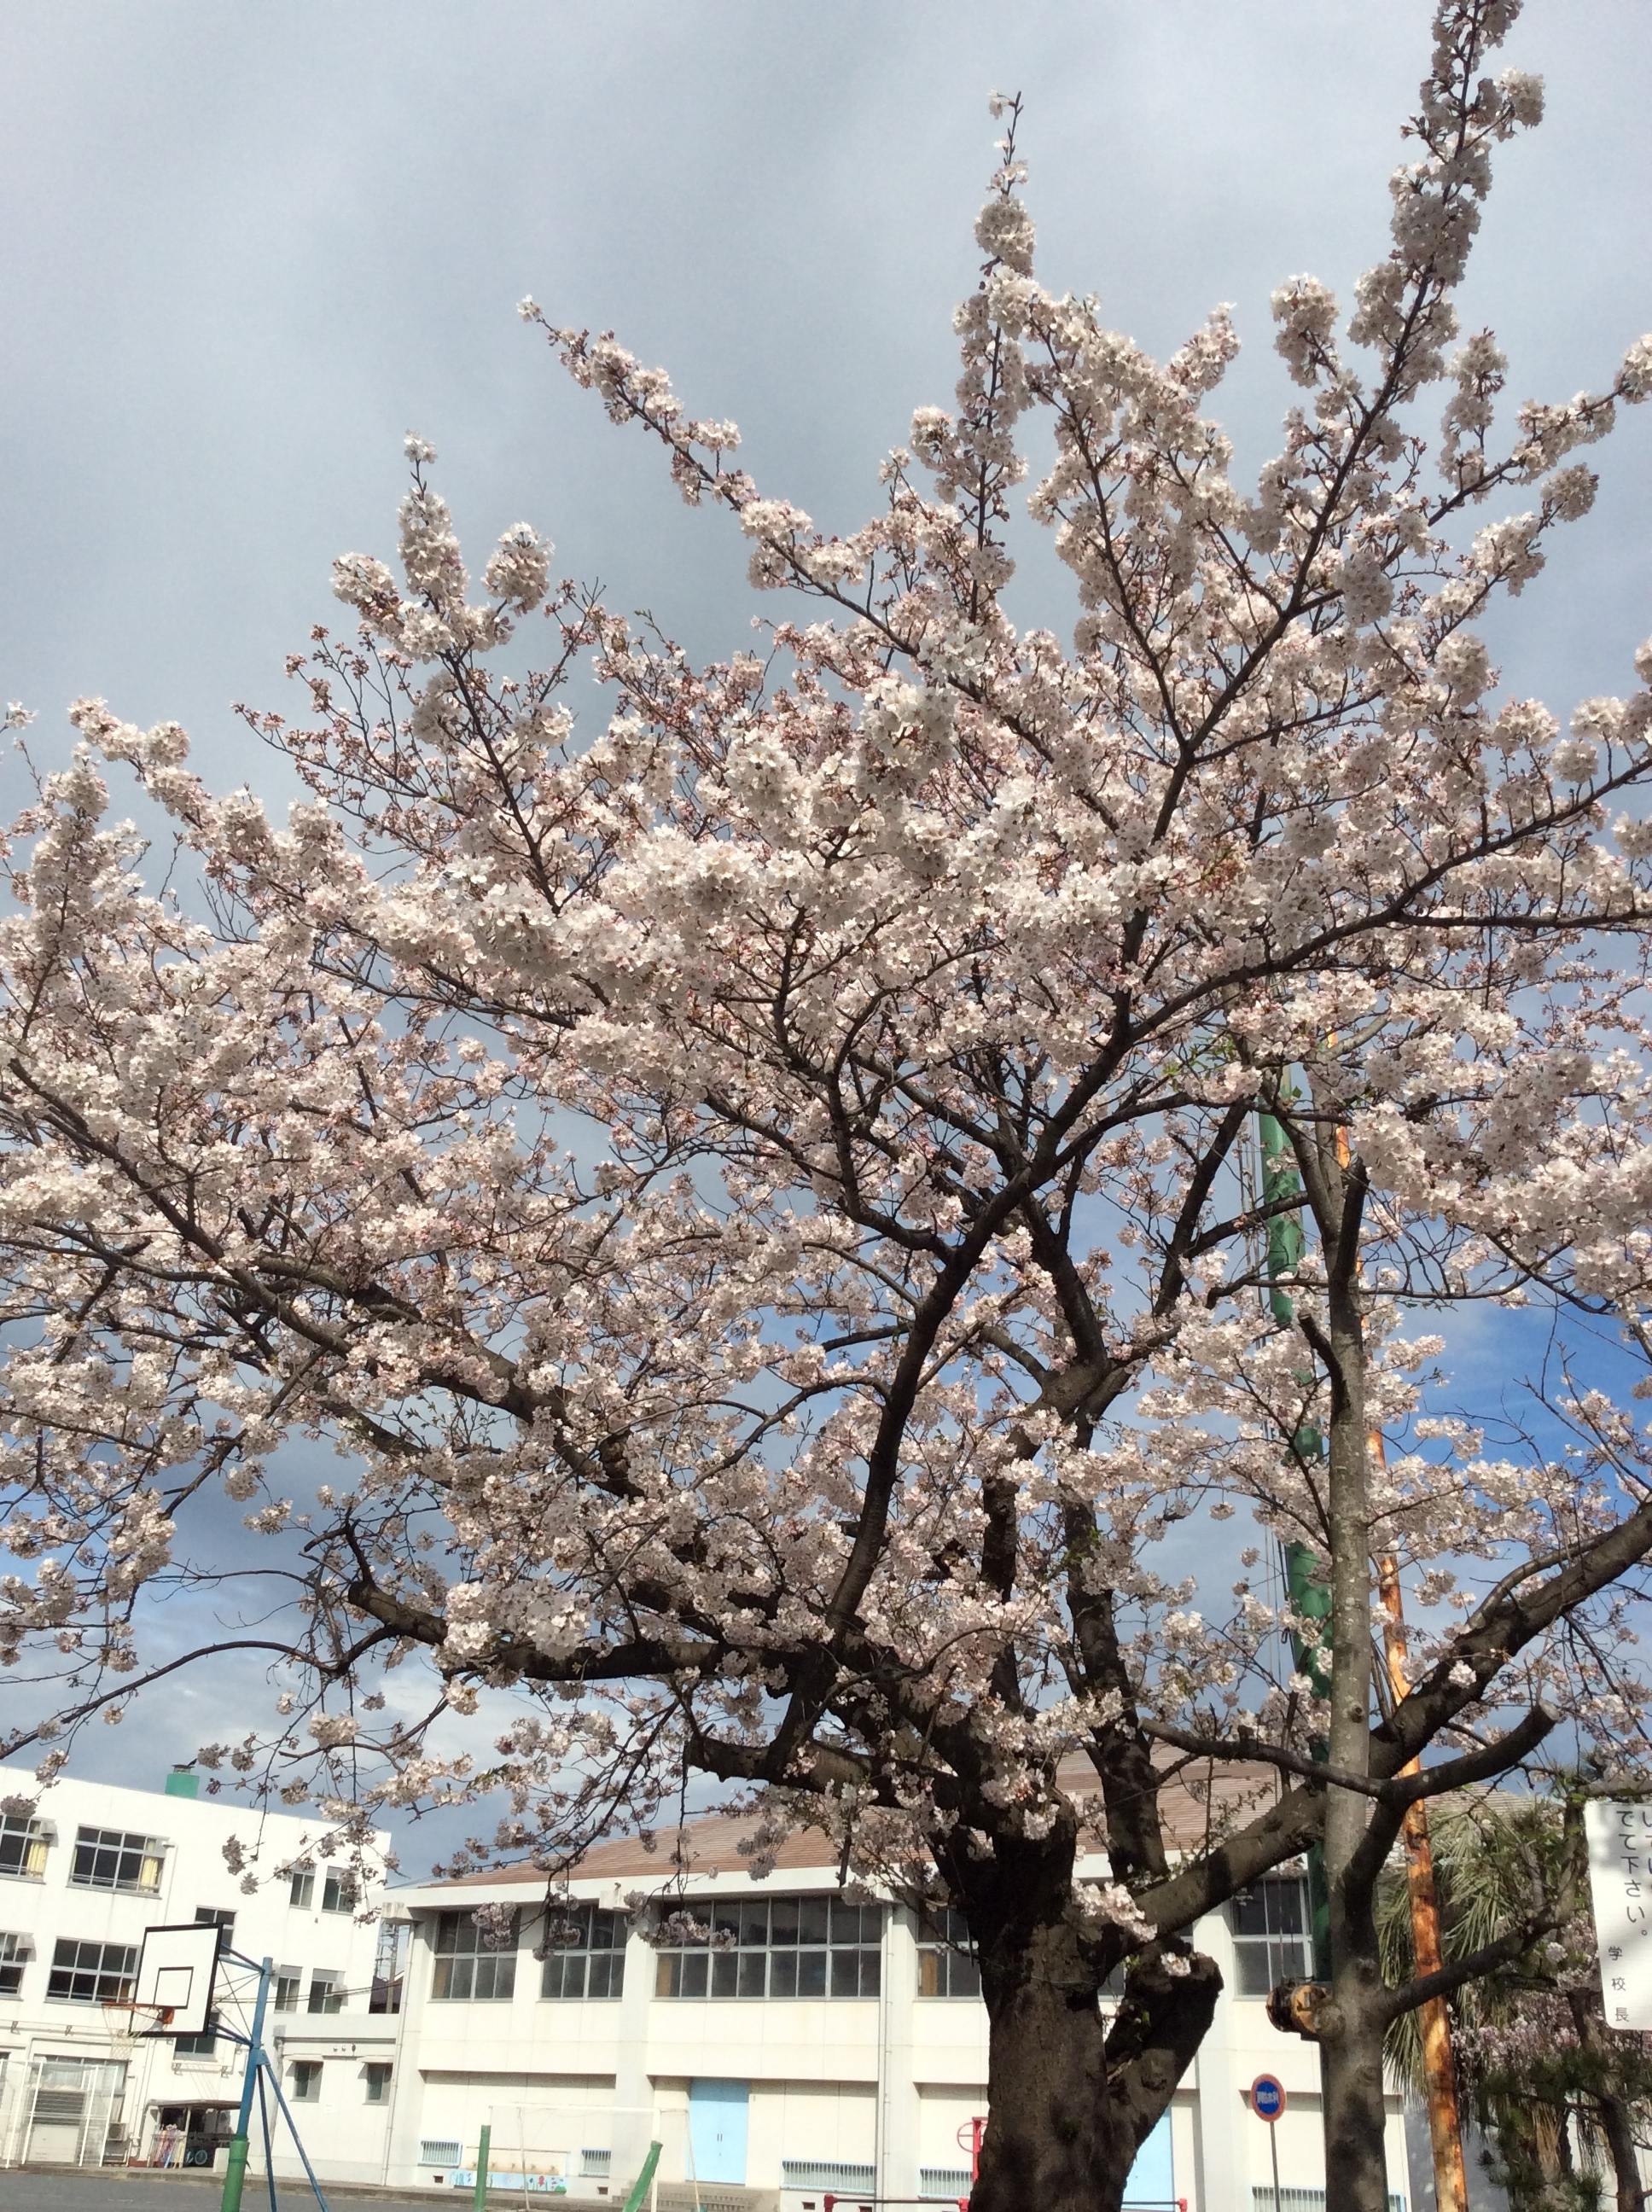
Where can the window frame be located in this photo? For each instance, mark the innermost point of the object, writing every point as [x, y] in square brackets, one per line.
[1275, 1947]
[120, 1979]
[16, 1952]
[204, 2045]
[339, 1890]
[307, 2080]
[34, 1839]
[826, 1941]
[324, 1998]
[121, 1844]
[377, 2075]
[559, 1956]
[467, 1959]
[946, 1958]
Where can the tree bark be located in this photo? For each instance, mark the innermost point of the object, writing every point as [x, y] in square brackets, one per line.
[1352, 2032]
[1612, 2112]
[1072, 2100]
[1620, 2132]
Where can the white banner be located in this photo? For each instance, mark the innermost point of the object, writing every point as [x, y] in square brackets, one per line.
[1620, 1889]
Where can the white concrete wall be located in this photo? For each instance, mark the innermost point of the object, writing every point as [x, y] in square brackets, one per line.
[811, 2120]
[1228, 2145]
[344, 2133]
[890, 2081]
[886, 2081]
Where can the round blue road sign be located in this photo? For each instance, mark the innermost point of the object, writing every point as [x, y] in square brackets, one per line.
[1267, 2097]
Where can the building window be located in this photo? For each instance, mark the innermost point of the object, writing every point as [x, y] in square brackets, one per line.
[586, 1951]
[197, 2046]
[307, 2080]
[785, 1947]
[107, 1858]
[326, 1991]
[947, 1966]
[389, 1966]
[1269, 1934]
[204, 2046]
[22, 1848]
[13, 1951]
[337, 1889]
[92, 1973]
[378, 2080]
[467, 1971]
[288, 1980]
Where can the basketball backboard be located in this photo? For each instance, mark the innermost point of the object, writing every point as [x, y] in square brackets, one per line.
[175, 1975]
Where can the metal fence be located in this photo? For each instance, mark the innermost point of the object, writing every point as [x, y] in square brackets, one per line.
[1304, 2200]
[842, 2179]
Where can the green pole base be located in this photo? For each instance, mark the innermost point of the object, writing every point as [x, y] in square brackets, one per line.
[234, 2174]
[644, 2180]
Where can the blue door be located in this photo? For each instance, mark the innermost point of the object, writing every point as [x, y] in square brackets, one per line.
[1152, 2177]
[717, 2119]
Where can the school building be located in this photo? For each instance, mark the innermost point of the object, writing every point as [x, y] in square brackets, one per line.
[814, 2044]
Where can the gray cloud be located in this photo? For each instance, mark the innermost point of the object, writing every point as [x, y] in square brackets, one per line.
[247, 249]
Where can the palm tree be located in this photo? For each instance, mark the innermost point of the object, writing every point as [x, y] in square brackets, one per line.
[1563, 2098]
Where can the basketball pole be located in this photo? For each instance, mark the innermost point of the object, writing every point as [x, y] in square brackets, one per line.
[235, 2163]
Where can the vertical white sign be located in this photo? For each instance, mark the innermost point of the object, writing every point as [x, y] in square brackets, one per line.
[1620, 1889]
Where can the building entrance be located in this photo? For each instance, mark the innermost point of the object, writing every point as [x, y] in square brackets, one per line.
[716, 2129]
[191, 2134]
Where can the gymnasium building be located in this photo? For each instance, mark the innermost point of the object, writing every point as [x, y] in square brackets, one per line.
[816, 2045]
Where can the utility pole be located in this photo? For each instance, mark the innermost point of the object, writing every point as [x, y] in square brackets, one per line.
[1305, 1584]
[1310, 1599]
[1433, 2018]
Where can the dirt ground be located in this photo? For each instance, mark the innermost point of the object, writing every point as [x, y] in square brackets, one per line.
[111, 2190]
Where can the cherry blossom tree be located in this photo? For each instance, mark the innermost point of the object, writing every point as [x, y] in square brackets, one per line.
[759, 1190]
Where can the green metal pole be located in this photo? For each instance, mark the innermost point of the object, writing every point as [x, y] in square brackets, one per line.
[235, 2163]
[269, 2148]
[1305, 1583]
[640, 2188]
[483, 2150]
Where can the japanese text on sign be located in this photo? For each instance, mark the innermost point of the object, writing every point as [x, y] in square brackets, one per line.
[1620, 1890]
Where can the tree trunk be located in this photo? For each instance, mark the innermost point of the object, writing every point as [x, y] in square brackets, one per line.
[1620, 2132]
[1613, 2114]
[1069, 2103]
[1356, 2113]
[1352, 2049]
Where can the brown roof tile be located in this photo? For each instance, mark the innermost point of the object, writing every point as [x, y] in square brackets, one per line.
[1193, 1807]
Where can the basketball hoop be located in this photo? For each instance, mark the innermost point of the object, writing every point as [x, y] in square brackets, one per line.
[125, 2021]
